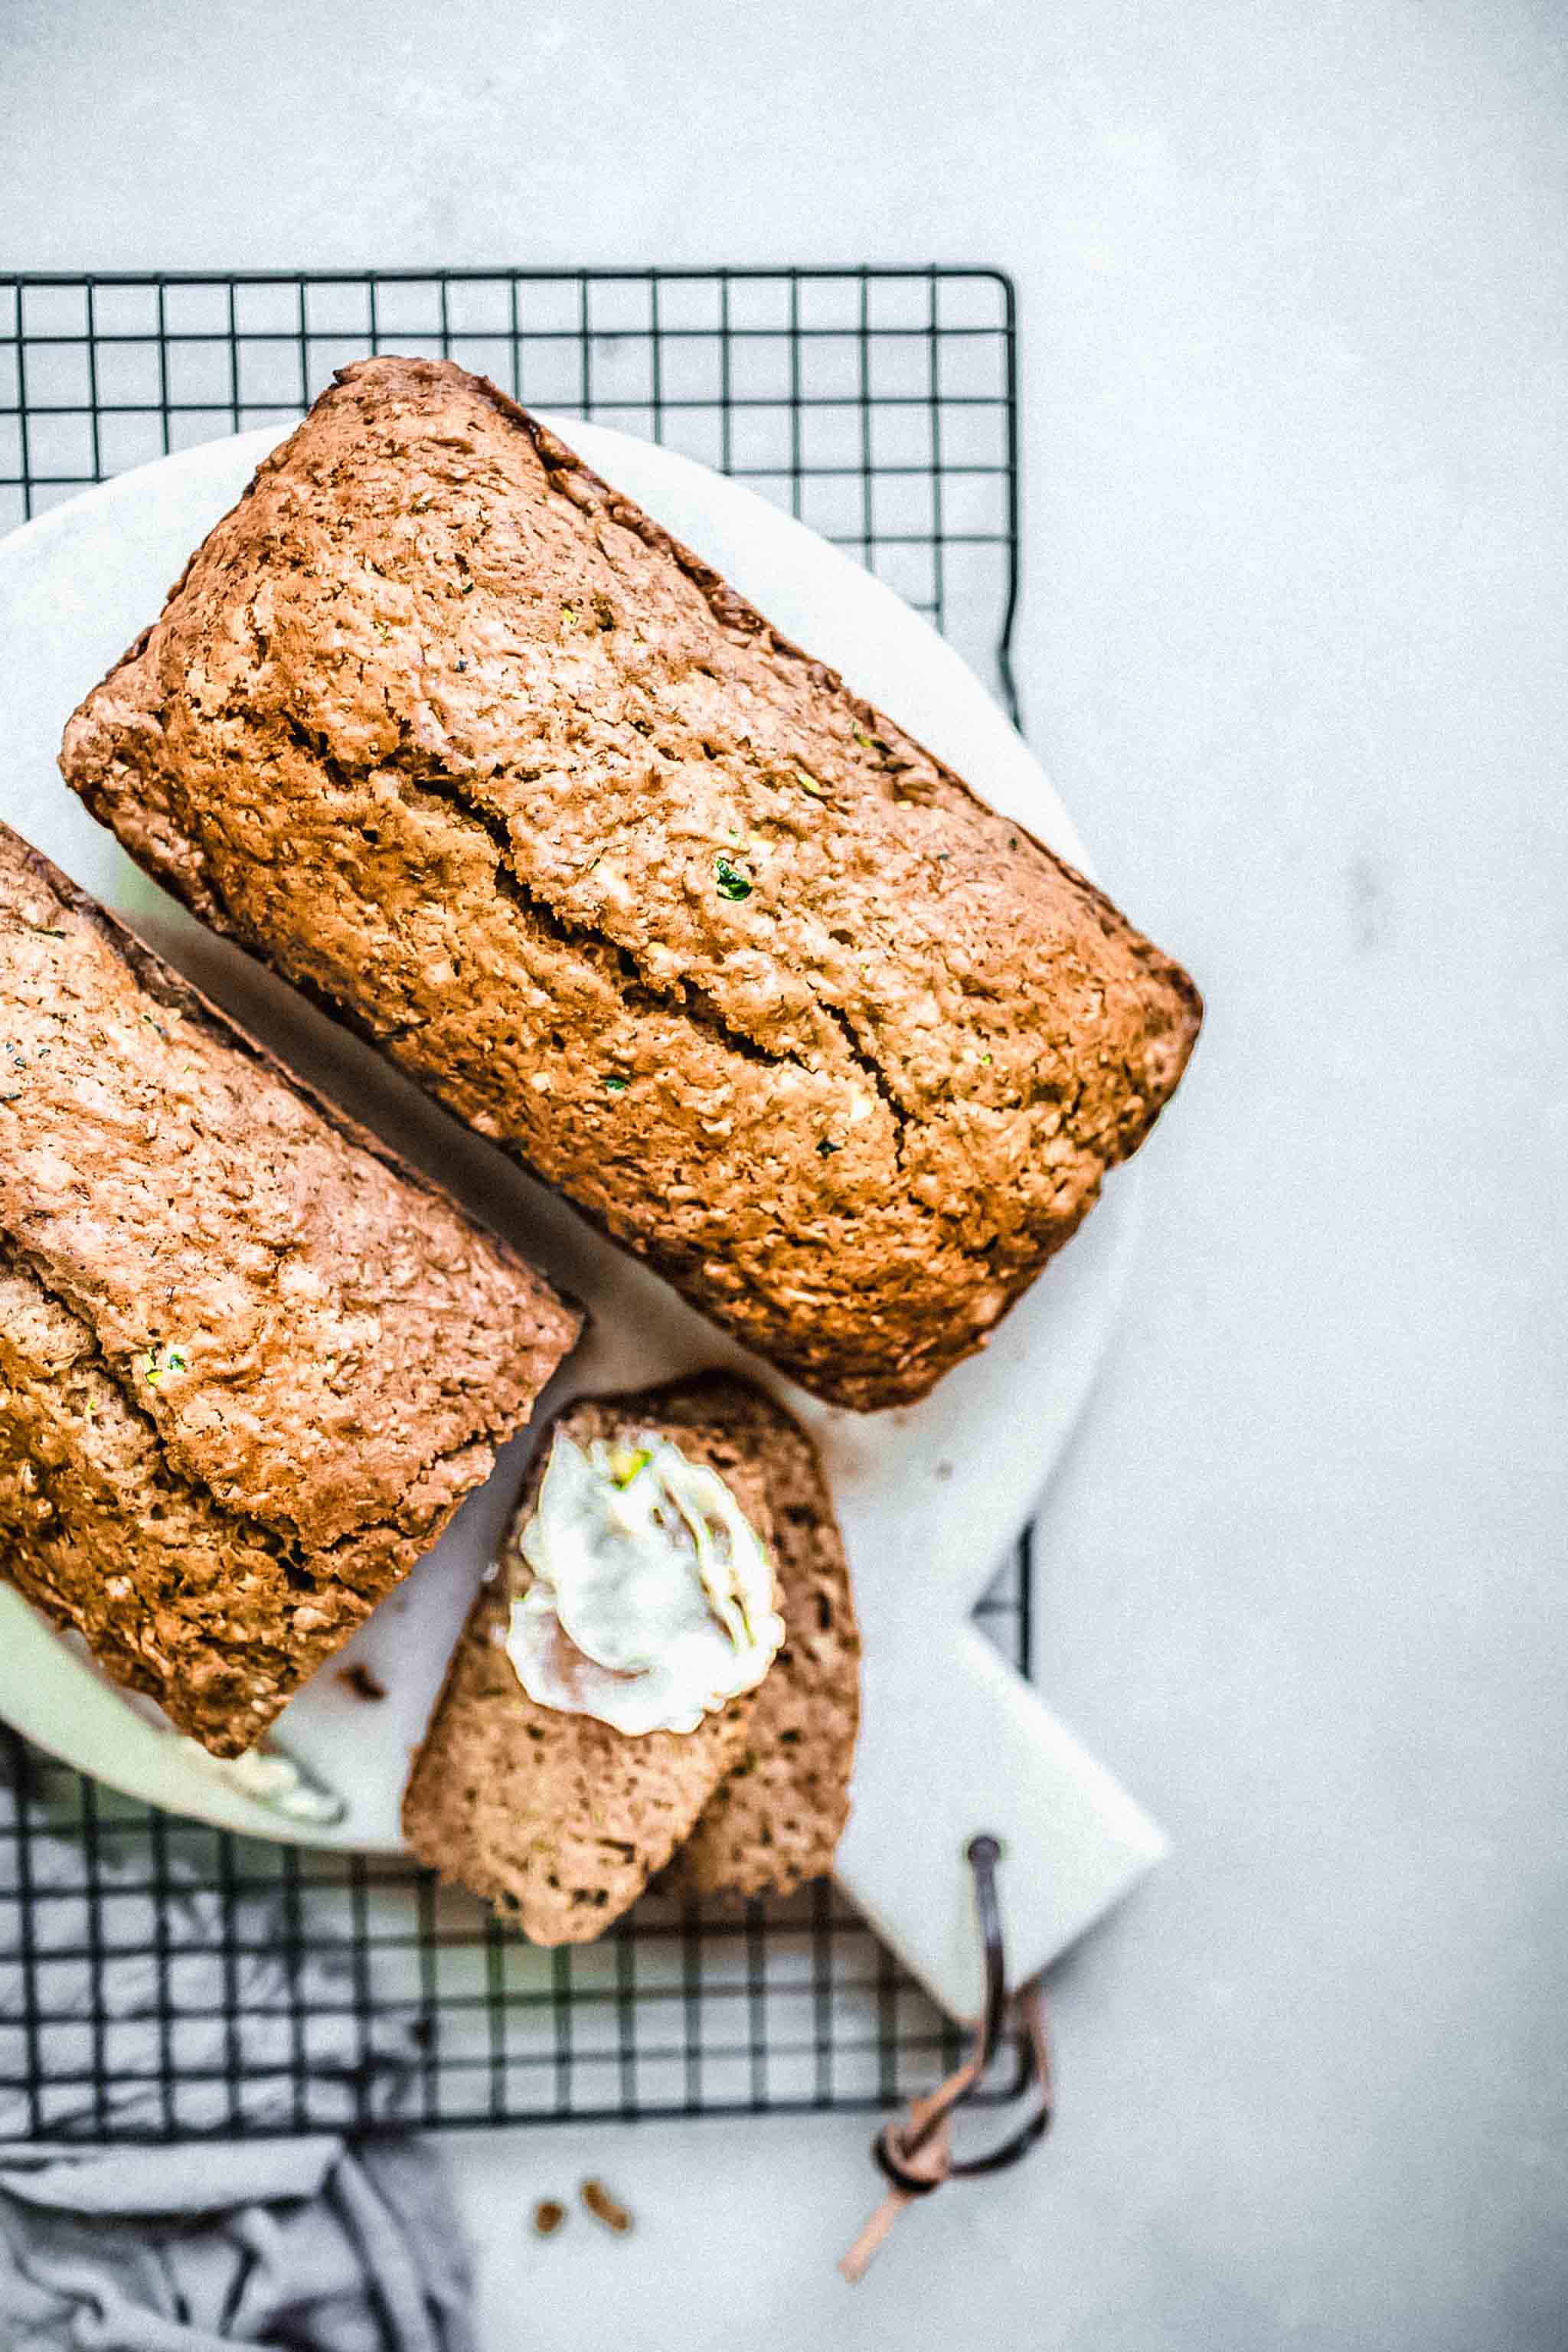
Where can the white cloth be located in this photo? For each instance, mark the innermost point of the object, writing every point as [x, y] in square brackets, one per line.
[317, 2243]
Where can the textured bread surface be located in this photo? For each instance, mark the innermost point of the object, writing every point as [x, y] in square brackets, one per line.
[777, 1819]
[558, 1819]
[455, 736]
[249, 1364]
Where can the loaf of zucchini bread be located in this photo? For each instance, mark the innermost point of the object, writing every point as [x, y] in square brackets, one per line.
[455, 736]
[250, 1364]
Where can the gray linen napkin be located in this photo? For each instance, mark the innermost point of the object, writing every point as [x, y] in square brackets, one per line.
[316, 2243]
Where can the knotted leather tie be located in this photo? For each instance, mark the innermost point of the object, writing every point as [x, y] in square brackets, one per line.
[916, 2153]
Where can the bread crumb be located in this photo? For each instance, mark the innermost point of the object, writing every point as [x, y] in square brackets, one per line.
[604, 2208]
[361, 1682]
[548, 2216]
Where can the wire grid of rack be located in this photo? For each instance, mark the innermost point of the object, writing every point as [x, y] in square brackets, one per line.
[879, 406]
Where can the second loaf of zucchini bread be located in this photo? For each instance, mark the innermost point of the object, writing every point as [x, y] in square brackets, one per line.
[453, 734]
[250, 1364]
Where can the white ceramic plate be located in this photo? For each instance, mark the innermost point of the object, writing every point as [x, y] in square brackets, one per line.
[931, 1497]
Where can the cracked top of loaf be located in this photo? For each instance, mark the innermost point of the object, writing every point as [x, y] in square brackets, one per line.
[250, 1364]
[453, 734]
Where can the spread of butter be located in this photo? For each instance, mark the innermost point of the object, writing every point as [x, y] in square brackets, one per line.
[652, 1600]
[269, 1777]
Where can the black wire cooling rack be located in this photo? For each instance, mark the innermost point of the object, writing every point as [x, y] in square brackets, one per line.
[175, 1978]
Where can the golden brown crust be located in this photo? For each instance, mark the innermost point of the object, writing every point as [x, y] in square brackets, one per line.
[248, 1365]
[457, 736]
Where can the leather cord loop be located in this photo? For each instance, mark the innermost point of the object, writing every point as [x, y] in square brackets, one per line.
[914, 2154]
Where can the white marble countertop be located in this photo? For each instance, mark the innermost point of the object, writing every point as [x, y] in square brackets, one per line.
[1291, 287]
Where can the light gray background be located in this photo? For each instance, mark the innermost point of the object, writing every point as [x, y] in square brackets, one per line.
[1293, 289]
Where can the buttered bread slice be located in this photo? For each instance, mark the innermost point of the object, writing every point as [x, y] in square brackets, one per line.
[633, 1671]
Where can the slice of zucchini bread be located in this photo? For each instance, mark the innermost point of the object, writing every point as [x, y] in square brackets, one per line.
[558, 1819]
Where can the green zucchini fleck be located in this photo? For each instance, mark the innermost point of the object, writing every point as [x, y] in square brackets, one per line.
[627, 1460]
